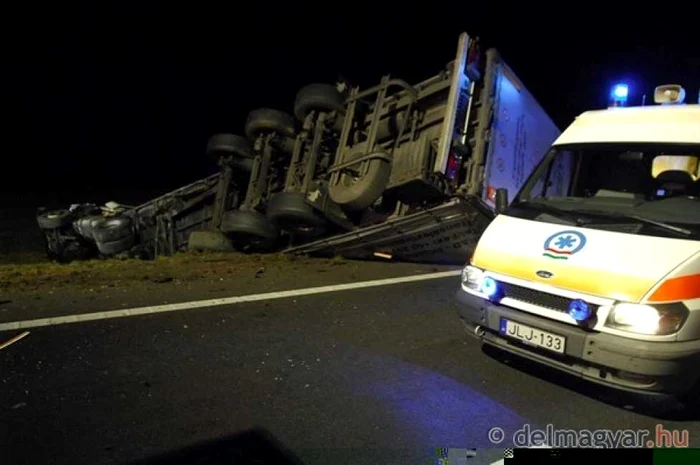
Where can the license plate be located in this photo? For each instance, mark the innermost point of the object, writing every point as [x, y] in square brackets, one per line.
[533, 336]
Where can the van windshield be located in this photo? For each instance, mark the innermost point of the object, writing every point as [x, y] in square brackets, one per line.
[642, 189]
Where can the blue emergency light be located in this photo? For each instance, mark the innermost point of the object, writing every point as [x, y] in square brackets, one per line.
[619, 94]
[621, 91]
[580, 310]
[489, 286]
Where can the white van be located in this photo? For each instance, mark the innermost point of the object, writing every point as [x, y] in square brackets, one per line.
[599, 275]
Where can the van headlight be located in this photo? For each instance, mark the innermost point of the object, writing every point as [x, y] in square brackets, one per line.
[472, 277]
[647, 319]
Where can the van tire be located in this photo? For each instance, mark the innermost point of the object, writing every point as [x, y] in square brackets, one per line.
[229, 145]
[687, 403]
[359, 193]
[292, 213]
[319, 97]
[267, 120]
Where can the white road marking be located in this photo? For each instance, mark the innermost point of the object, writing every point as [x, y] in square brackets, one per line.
[217, 302]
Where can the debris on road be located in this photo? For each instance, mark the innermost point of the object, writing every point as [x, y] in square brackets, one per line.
[11, 341]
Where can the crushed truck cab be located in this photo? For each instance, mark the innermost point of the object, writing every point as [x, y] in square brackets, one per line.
[594, 267]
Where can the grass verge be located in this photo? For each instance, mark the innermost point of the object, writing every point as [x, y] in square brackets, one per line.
[182, 267]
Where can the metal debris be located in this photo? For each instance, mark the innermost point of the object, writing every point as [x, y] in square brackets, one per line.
[14, 339]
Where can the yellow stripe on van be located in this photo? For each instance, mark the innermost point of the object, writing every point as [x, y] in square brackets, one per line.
[565, 275]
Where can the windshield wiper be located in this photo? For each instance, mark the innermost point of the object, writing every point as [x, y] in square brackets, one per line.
[575, 217]
[641, 219]
[554, 211]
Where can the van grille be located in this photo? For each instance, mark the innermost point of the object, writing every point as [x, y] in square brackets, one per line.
[539, 298]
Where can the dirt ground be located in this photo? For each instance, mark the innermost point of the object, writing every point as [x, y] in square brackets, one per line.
[30, 274]
[182, 268]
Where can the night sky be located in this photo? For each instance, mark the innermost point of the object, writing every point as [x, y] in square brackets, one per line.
[127, 99]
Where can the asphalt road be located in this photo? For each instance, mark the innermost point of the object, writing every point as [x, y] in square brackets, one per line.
[380, 375]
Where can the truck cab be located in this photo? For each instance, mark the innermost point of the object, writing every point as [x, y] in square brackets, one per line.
[594, 267]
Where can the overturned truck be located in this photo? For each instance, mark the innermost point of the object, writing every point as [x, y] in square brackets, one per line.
[398, 170]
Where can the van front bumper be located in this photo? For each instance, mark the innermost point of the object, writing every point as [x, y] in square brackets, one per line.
[665, 368]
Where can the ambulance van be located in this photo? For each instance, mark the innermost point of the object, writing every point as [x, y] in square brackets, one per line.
[594, 267]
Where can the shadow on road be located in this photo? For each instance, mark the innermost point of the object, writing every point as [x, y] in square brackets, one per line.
[662, 408]
[256, 446]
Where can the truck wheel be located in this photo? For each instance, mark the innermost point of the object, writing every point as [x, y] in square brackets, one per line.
[55, 219]
[112, 229]
[267, 120]
[214, 241]
[229, 145]
[85, 227]
[290, 212]
[320, 97]
[249, 230]
[359, 192]
[116, 246]
[390, 127]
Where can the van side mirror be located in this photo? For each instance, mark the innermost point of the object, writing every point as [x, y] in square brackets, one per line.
[501, 199]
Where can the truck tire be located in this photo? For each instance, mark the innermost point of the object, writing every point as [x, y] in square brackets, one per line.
[358, 193]
[116, 246]
[55, 219]
[112, 229]
[319, 97]
[213, 240]
[390, 126]
[249, 230]
[291, 213]
[85, 227]
[229, 145]
[267, 120]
